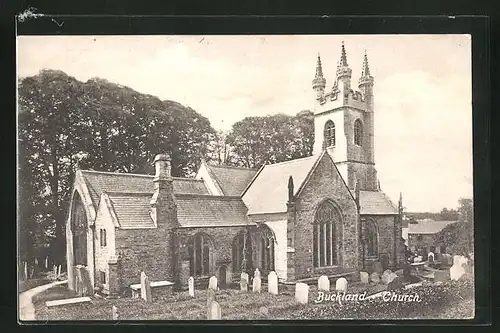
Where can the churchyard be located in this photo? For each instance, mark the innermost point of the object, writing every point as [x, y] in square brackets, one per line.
[442, 293]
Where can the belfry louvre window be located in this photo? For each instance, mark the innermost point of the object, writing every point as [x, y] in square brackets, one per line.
[324, 236]
[200, 249]
[358, 132]
[103, 237]
[329, 134]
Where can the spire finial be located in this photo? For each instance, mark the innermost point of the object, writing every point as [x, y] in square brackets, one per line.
[343, 56]
[366, 69]
[319, 68]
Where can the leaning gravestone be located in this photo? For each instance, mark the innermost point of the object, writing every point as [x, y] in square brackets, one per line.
[395, 283]
[374, 277]
[341, 285]
[385, 276]
[244, 282]
[301, 293]
[323, 283]
[191, 286]
[272, 283]
[256, 285]
[212, 283]
[145, 288]
[214, 311]
[364, 277]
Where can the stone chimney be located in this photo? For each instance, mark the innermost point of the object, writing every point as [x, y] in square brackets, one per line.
[163, 183]
[164, 215]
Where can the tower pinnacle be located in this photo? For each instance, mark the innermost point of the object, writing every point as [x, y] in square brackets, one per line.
[319, 81]
[366, 68]
[343, 57]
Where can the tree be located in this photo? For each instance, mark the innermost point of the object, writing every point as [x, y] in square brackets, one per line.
[255, 141]
[101, 126]
[458, 237]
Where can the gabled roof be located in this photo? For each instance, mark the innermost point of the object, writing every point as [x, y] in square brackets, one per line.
[268, 193]
[232, 180]
[211, 211]
[423, 227]
[98, 182]
[131, 209]
[376, 203]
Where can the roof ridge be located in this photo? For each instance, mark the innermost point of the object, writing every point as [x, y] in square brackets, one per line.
[289, 161]
[118, 173]
[209, 196]
[230, 167]
[127, 193]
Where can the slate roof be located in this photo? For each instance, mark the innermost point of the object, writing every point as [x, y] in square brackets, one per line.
[269, 191]
[210, 210]
[427, 227]
[375, 203]
[132, 209]
[232, 180]
[98, 182]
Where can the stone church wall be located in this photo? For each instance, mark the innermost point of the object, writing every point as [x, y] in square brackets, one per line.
[324, 183]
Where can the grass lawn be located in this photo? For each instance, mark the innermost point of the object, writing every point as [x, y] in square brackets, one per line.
[32, 283]
[453, 299]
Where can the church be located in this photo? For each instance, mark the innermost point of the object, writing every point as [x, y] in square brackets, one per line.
[319, 215]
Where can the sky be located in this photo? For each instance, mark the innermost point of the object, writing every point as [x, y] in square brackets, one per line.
[423, 90]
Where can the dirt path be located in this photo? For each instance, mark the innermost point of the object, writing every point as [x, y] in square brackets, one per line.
[26, 309]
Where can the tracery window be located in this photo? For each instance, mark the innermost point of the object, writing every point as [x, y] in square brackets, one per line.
[200, 253]
[324, 235]
[329, 134]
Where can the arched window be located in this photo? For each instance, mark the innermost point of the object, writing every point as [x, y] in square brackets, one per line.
[329, 134]
[242, 253]
[358, 132]
[265, 250]
[200, 255]
[324, 235]
[371, 238]
[79, 227]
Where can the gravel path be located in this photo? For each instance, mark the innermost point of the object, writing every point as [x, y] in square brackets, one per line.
[26, 309]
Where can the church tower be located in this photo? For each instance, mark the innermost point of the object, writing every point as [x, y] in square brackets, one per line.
[343, 121]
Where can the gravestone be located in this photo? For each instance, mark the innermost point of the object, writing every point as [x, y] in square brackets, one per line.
[374, 277]
[256, 273]
[301, 293]
[46, 262]
[214, 311]
[430, 257]
[456, 271]
[212, 283]
[364, 277]
[59, 271]
[377, 267]
[441, 275]
[272, 283]
[244, 282]
[323, 283]
[256, 285]
[385, 276]
[341, 285]
[145, 288]
[115, 313]
[191, 286]
[210, 300]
